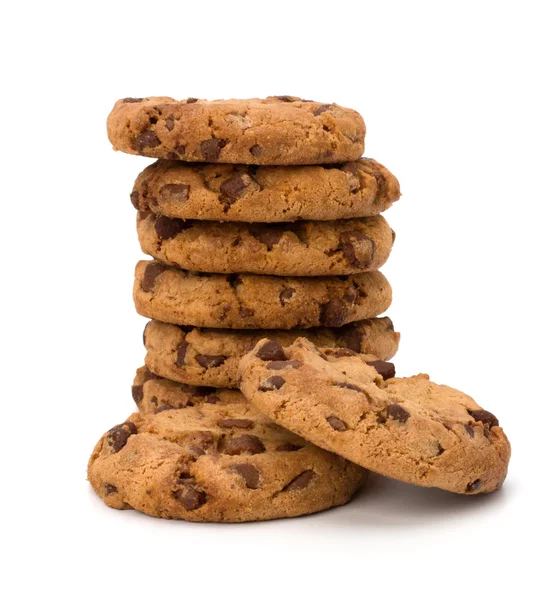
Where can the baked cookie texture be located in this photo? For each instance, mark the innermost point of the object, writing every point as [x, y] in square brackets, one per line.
[213, 192]
[278, 130]
[210, 357]
[153, 394]
[221, 463]
[409, 429]
[307, 248]
[256, 301]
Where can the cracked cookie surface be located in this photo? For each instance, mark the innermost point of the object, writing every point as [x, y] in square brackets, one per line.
[210, 357]
[307, 248]
[213, 192]
[256, 301]
[278, 130]
[409, 429]
[218, 463]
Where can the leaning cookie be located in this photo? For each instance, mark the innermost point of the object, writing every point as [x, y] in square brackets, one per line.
[221, 463]
[210, 357]
[407, 428]
[212, 192]
[256, 301]
[278, 130]
[307, 248]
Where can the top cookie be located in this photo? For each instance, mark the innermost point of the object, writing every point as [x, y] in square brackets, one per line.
[407, 428]
[278, 130]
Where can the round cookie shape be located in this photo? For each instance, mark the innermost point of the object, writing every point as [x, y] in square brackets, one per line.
[306, 248]
[278, 130]
[153, 394]
[210, 357]
[216, 463]
[409, 429]
[256, 301]
[213, 192]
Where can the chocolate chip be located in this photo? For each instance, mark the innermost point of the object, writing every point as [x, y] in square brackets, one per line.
[287, 98]
[249, 474]
[181, 354]
[271, 350]
[350, 296]
[246, 312]
[134, 197]
[275, 382]
[148, 375]
[469, 430]
[389, 324]
[242, 444]
[152, 272]
[118, 436]
[167, 228]
[109, 489]
[320, 109]
[300, 482]
[236, 186]
[473, 486]
[333, 313]
[352, 175]
[212, 399]
[393, 236]
[163, 408]
[397, 412]
[286, 295]
[268, 236]
[485, 417]
[337, 424]
[197, 391]
[176, 192]
[172, 156]
[349, 386]
[190, 497]
[236, 423]
[170, 123]
[211, 149]
[440, 449]
[358, 248]
[147, 139]
[137, 393]
[385, 369]
[256, 150]
[352, 338]
[180, 149]
[237, 242]
[340, 352]
[288, 447]
[131, 100]
[191, 100]
[277, 365]
[207, 361]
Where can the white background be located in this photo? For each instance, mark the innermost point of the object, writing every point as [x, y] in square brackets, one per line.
[455, 103]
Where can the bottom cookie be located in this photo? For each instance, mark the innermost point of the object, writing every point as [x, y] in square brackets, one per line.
[220, 462]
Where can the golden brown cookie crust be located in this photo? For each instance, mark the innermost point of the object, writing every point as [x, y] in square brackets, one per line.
[278, 130]
[407, 428]
[214, 192]
[257, 301]
[210, 357]
[216, 463]
[304, 249]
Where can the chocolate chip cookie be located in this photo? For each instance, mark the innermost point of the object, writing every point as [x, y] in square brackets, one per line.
[222, 463]
[278, 130]
[153, 394]
[307, 248]
[210, 357]
[213, 192]
[256, 301]
[410, 429]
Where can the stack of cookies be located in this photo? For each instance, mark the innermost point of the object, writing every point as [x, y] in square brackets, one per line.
[264, 226]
